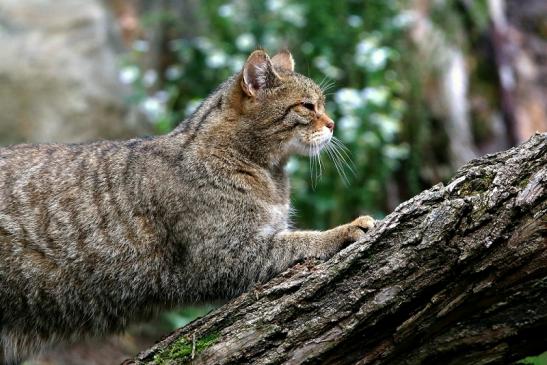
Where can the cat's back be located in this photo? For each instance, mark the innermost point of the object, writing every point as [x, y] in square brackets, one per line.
[57, 197]
[31, 172]
[25, 160]
[61, 166]
[23, 166]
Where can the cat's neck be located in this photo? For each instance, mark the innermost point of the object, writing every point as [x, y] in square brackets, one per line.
[218, 126]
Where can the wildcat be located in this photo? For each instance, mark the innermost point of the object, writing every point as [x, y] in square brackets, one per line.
[95, 236]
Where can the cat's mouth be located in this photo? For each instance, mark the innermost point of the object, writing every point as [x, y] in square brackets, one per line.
[310, 145]
[315, 148]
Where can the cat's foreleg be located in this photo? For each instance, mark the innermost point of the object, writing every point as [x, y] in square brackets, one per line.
[289, 247]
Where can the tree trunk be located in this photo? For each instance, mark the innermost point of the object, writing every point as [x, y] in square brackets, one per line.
[520, 49]
[456, 275]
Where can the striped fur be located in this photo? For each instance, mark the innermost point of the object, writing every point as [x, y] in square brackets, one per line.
[95, 236]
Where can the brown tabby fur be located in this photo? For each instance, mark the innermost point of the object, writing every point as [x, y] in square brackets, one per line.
[94, 236]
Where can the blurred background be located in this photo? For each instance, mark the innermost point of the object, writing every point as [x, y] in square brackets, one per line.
[417, 88]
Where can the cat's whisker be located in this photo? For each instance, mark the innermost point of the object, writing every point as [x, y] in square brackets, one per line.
[339, 143]
[315, 164]
[311, 171]
[317, 157]
[322, 81]
[329, 153]
[320, 166]
[345, 153]
[341, 158]
[328, 83]
[333, 158]
[337, 163]
[328, 87]
[325, 88]
[317, 169]
[344, 159]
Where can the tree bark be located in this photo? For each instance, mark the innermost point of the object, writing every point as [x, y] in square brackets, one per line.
[456, 275]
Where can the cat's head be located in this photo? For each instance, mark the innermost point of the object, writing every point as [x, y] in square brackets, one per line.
[282, 105]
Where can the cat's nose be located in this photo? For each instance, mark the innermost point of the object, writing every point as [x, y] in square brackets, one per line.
[330, 125]
[323, 119]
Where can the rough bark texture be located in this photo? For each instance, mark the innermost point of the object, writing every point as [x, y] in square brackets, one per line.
[456, 275]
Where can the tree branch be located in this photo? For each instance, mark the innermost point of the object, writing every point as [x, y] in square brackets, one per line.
[456, 275]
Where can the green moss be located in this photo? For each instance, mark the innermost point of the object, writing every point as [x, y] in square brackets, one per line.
[180, 351]
[477, 185]
[524, 182]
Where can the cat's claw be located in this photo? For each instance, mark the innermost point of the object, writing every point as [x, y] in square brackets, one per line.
[360, 226]
[364, 222]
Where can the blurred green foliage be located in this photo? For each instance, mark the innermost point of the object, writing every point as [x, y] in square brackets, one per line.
[184, 316]
[538, 360]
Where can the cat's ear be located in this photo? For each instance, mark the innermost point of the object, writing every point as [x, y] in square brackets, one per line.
[258, 73]
[284, 61]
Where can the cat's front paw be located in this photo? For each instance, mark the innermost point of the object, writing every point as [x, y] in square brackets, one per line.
[360, 226]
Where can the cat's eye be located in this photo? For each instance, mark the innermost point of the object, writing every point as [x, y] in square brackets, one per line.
[309, 106]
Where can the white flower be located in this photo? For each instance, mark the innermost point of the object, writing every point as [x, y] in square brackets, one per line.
[162, 96]
[216, 59]
[292, 166]
[348, 99]
[333, 72]
[348, 125]
[129, 74]
[270, 41]
[365, 46]
[370, 139]
[348, 122]
[153, 108]
[375, 95]
[355, 21]
[378, 58]
[173, 72]
[226, 10]
[368, 55]
[389, 126]
[275, 5]
[245, 42]
[141, 45]
[321, 62]
[395, 152]
[327, 68]
[405, 19]
[236, 63]
[149, 77]
[293, 14]
[203, 44]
